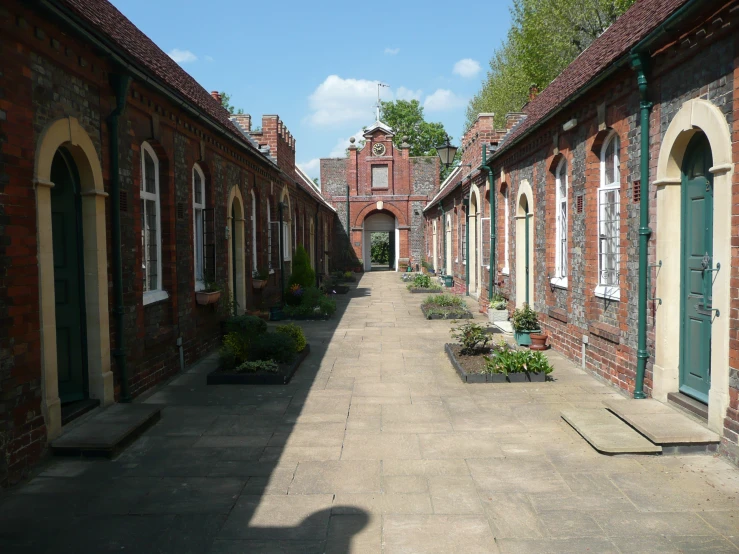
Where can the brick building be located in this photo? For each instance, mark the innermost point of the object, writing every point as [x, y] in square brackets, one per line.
[386, 191]
[576, 189]
[124, 187]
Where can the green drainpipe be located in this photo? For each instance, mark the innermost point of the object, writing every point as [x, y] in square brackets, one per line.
[493, 222]
[467, 244]
[120, 84]
[638, 62]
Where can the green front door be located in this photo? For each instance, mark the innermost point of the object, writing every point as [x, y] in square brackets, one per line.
[66, 230]
[697, 275]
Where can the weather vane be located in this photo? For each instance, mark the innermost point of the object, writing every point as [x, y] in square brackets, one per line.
[379, 85]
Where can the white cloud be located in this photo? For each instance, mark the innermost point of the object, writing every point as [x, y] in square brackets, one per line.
[312, 168]
[338, 101]
[466, 67]
[208, 58]
[443, 100]
[391, 51]
[408, 94]
[182, 56]
[339, 149]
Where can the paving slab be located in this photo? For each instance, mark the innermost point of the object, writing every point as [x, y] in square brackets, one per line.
[607, 433]
[661, 424]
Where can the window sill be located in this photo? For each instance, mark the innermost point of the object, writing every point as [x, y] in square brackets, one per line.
[155, 296]
[505, 271]
[559, 282]
[609, 292]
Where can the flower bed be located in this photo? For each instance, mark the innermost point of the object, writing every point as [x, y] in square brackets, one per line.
[251, 355]
[445, 306]
[475, 362]
[422, 284]
[307, 303]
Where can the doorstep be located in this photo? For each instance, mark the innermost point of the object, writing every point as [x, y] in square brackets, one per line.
[607, 433]
[108, 432]
[505, 326]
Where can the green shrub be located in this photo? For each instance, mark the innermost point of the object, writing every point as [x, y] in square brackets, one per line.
[348, 275]
[446, 300]
[235, 349]
[472, 336]
[296, 332]
[506, 360]
[278, 347]
[525, 319]
[303, 273]
[247, 324]
[327, 305]
[422, 281]
[256, 366]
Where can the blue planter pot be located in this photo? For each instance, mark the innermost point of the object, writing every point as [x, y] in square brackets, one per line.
[523, 338]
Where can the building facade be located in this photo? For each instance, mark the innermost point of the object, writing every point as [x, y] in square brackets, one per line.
[125, 188]
[379, 188]
[630, 152]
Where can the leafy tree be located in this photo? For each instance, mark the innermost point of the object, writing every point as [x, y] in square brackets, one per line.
[380, 248]
[545, 36]
[225, 102]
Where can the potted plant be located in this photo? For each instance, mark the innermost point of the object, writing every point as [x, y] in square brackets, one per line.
[210, 294]
[538, 341]
[525, 321]
[259, 278]
[498, 309]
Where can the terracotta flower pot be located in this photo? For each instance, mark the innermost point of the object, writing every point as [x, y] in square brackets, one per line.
[538, 341]
[258, 283]
[205, 298]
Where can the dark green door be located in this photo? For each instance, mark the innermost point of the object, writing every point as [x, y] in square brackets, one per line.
[697, 277]
[66, 230]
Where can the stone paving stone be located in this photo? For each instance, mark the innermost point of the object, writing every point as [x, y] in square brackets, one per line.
[459, 445]
[512, 516]
[191, 496]
[368, 446]
[437, 534]
[336, 477]
[558, 546]
[454, 495]
[399, 484]
[355, 533]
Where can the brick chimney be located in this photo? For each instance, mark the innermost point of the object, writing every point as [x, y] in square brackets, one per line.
[281, 143]
[216, 96]
[533, 92]
[243, 120]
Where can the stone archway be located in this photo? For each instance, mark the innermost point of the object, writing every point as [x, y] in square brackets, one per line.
[236, 259]
[694, 116]
[524, 244]
[380, 221]
[67, 133]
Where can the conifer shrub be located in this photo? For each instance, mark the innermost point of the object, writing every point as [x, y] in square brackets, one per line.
[303, 273]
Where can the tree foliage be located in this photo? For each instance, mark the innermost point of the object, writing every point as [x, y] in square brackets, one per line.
[380, 249]
[226, 103]
[544, 38]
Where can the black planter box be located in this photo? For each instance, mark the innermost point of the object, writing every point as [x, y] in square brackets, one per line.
[308, 317]
[421, 290]
[282, 377]
[339, 289]
[451, 315]
[492, 377]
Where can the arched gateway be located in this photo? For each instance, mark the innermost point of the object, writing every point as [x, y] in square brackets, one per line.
[380, 228]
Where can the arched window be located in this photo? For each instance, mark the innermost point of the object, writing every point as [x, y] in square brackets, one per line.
[151, 232]
[198, 209]
[560, 206]
[254, 262]
[609, 219]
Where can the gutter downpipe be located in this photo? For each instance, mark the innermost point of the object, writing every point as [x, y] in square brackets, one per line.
[639, 56]
[638, 62]
[120, 84]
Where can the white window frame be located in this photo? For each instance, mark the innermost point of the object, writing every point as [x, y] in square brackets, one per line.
[287, 239]
[506, 216]
[198, 210]
[254, 232]
[269, 236]
[608, 290]
[560, 209]
[157, 294]
[464, 222]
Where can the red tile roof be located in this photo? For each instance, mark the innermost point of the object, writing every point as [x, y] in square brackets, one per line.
[633, 26]
[105, 19]
[112, 24]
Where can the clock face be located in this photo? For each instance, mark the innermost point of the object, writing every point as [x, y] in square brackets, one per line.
[378, 149]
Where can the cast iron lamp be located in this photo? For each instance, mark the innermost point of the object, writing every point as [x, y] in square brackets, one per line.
[446, 152]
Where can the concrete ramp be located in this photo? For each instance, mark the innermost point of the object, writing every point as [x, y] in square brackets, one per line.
[107, 433]
[662, 424]
[607, 433]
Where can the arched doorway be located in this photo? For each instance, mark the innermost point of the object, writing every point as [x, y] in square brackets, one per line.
[70, 212]
[695, 155]
[524, 245]
[436, 248]
[473, 226]
[236, 261]
[69, 278]
[382, 228]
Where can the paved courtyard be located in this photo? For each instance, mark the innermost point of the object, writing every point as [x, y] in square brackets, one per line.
[376, 446]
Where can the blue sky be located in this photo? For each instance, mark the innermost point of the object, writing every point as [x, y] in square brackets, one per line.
[315, 63]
